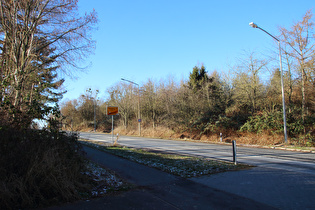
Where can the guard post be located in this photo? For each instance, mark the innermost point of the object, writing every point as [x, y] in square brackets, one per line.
[234, 152]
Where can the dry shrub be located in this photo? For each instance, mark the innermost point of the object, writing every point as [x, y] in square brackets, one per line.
[39, 168]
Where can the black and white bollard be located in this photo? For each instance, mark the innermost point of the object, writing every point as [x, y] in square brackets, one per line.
[234, 152]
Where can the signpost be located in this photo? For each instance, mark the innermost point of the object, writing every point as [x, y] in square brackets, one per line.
[112, 110]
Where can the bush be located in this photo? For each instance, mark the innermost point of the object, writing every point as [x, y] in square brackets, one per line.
[39, 168]
[216, 124]
[264, 121]
[301, 131]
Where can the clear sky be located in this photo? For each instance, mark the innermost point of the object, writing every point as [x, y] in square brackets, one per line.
[154, 39]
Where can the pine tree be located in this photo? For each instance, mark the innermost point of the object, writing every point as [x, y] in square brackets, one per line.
[37, 39]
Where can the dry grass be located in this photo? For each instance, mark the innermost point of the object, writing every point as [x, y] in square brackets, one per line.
[158, 132]
[262, 139]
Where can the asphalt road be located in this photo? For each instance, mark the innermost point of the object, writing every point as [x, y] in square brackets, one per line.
[302, 162]
[282, 179]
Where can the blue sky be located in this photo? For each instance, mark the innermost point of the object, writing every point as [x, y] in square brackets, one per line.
[154, 39]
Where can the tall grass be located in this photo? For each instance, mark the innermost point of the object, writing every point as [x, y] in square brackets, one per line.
[39, 168]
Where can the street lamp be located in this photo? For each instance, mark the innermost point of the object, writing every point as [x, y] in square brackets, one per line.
[94, 104]
[282, 89]
[94, 115]
[139, 113]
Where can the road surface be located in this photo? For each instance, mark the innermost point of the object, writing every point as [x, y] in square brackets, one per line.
[282, 179]
[303, 162]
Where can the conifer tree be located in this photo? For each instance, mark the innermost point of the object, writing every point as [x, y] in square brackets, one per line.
[38, 38]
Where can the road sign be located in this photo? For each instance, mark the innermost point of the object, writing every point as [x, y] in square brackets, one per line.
[112, 110]
[139, 120]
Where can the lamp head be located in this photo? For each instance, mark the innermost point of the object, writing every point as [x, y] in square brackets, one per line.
[253, 25]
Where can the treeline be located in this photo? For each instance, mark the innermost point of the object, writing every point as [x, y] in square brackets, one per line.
[248, 99]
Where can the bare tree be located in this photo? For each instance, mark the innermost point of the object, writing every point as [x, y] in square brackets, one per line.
[123, 96]
[248, 88]
[150, 103]
[39, 36]
[301, 38]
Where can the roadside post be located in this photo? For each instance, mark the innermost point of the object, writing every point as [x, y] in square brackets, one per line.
[111, 111]
[116, 141]
[221, 137]
[234, 152]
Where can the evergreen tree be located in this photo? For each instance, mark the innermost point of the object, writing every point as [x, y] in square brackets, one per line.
[197, 78]
[37, 38]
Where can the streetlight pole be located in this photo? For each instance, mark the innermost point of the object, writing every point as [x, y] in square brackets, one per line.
[139, 113]
[94, 115]
[282, 88]
[94, 103]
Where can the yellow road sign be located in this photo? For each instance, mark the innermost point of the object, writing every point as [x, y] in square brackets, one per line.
[112, 110]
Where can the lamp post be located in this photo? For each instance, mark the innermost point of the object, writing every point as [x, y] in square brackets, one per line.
[139, 113]
[282, 88]
[94, 115]
[90, 92]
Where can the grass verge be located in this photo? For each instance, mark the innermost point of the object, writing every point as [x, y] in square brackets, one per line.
[179, 165]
